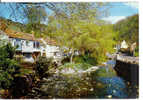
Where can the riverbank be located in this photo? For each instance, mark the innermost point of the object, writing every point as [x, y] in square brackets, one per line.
[72, 82]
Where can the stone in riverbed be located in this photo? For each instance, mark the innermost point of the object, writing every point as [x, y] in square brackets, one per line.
[66, 86]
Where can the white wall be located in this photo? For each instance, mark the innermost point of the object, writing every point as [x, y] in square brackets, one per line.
[50, 50]
[27, 47]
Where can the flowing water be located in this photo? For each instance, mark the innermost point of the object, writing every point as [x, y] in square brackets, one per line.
[115, 86]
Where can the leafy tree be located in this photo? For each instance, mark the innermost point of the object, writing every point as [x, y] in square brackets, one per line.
[35, 15]
[42, 66]
[8, 66]
[78, 28]
[128, 29]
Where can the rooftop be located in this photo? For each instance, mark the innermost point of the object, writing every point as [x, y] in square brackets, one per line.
[27, 36]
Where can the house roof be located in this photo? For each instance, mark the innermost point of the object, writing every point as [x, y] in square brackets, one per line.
[26, 36]
[20, 35]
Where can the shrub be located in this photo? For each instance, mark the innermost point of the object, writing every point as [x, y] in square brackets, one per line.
[136, 52]
[65, 60]
[42, 65]
[8, 66]
[85, 59]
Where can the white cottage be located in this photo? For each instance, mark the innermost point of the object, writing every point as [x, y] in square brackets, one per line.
[30, 47]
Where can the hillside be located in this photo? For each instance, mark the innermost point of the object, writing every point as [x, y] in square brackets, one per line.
[128, 29]
[9, 24]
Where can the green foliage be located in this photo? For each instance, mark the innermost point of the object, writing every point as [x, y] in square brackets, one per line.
[137, 51]
[35, 15]
[85, 59]
[128, 29]
[8, 66]
[7, 51]
[79, 27]
[42, 65]
[65, 60]
[83, 36]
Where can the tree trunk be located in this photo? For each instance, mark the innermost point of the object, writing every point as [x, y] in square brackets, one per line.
[71, 58]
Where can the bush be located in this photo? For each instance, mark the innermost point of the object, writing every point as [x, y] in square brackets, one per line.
[42, 65]
[8, 66]
[85, 59]
[136, 52]
[65, 60]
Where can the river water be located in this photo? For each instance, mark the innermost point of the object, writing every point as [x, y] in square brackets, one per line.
[115, 86]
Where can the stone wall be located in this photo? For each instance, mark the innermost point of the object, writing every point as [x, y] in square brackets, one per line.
[128, 71]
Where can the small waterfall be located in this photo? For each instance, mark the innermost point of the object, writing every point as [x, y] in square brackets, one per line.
[110, 64]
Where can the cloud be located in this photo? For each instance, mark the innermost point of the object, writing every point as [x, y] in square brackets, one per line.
[114, 19]
[132, 4]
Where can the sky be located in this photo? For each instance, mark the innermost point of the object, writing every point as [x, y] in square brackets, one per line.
[121, 10]
[118, 11]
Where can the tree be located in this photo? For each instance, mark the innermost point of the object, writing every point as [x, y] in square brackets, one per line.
[128, 29]
[35, 15]
[70, 22]
[8, 66]
[78, 28]
[32, 14]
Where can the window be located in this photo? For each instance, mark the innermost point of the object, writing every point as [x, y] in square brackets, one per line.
[17, 42]
[36, 44]
[27, 43]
